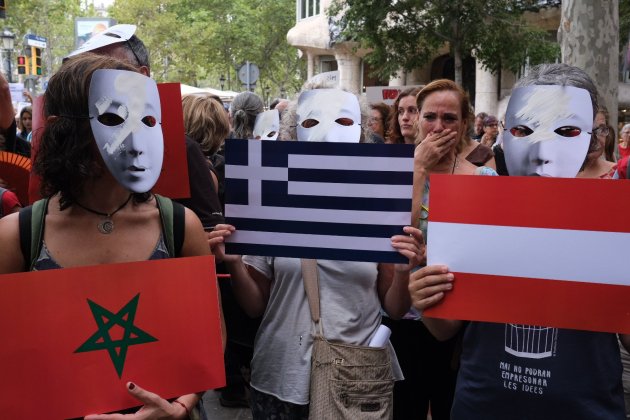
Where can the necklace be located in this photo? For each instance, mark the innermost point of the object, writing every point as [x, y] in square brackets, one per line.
[454, 165]
[105, 226]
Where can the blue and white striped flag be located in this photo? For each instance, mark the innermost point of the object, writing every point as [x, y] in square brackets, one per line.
[336, 201]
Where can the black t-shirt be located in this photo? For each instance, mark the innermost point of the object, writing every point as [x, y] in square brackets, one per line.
[203, 196]
[523, 372]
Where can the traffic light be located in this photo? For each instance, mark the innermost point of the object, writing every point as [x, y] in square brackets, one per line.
[36, 61]
[22, 65]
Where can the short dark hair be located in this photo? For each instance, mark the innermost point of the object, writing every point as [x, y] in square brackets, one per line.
[139, 51]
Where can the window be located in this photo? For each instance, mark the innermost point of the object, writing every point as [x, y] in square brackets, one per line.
[308, 8]
[327, 63]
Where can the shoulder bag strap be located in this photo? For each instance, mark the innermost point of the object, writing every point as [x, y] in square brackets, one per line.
[310, 276]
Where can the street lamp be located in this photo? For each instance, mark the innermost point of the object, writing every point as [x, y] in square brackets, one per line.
[222, 81]
[8, 42]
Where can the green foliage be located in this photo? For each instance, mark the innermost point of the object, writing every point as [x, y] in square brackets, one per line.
[197, 41]
[408, 33]
[624, 24]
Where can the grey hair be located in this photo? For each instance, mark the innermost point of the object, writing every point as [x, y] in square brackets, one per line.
[288, 123]
[561, 74]
[243, 111]
[625, 127]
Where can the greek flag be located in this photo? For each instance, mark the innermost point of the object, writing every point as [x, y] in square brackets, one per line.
[336, 201]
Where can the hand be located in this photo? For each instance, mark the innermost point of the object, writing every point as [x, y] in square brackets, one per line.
[429, 285]
[433, 148]
[155, 407]
[216, 242]
[28, 96]
[411, 246]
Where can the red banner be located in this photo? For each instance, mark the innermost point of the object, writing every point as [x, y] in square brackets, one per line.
[538, 251]
[173, 181]
[73, 337]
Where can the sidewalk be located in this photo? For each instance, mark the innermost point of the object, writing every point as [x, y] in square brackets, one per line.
[215, 411]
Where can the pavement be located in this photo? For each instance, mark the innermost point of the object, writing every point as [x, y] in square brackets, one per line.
[215, 411]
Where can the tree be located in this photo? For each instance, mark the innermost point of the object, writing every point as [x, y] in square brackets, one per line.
[588, 35]
[197, 41]
[406, 34]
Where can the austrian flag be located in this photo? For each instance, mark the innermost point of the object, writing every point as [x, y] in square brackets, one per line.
[537, 251]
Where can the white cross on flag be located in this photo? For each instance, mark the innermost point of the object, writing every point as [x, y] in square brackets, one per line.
[339, 201]
[537, 251]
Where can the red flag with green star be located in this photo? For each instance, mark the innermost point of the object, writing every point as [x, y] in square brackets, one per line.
[72, 338]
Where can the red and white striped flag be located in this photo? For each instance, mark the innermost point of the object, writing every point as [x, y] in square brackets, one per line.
[538, 251]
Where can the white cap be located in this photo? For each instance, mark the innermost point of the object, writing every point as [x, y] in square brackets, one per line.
[112, 35]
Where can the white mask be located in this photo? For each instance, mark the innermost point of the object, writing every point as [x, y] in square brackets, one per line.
[267, 125]
[547, 130]
[330, 115]
[126, 119]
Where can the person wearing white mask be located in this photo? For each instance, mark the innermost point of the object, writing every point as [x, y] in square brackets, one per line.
[267, 126]
[273, 286]
[510, 371]
[100, 155]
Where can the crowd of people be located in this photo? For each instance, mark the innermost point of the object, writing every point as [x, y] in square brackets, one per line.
[100, 210]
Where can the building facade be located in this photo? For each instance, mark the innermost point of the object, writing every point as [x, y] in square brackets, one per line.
[315, 36]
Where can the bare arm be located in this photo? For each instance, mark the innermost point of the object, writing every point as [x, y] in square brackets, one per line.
[625, 341]
[11, 259]
[251, 288]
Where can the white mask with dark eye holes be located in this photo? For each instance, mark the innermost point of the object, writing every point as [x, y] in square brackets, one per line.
[329, 115]
[547, 130]
[126, 118]
[267, 125]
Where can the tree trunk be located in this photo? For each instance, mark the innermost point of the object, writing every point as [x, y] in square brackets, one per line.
[589, 39]
[457, 57]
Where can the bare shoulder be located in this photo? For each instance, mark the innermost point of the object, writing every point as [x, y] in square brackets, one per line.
[11, 260]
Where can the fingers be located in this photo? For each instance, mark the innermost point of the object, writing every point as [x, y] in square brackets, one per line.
[428, 286]
[144, 396]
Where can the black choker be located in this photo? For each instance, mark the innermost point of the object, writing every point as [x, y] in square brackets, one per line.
[105, 226]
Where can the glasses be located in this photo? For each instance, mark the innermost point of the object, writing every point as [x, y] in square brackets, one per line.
[411, 110]
[602, 130]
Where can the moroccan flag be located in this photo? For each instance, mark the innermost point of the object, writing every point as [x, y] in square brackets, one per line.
[72, 338]
[538, 251]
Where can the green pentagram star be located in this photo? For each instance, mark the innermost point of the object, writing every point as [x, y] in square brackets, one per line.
[101, 340]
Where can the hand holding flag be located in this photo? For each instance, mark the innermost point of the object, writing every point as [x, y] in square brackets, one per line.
[154, 406]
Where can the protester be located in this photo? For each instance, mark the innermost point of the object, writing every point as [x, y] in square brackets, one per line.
[583, 370]
[273, 287]
[594, 165]
[243, 111]
[490, 131]
[25, 122]
[444, 112]
[379, 115]
[84, 182]
[403, 119]
[477, 132]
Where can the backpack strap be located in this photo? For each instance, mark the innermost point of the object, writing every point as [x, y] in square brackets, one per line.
[172, 215]
[31, 222]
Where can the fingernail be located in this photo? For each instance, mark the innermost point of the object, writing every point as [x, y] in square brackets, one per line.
[450, 277]
[131, 386]
[449, 286]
